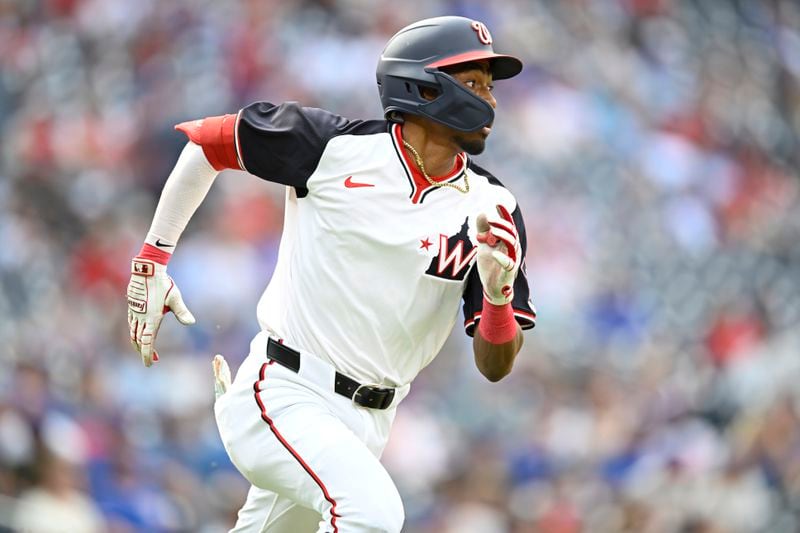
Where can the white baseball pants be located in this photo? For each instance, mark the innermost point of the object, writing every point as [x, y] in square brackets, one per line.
[310, 454]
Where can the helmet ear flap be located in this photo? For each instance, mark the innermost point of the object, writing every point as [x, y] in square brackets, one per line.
[400, 95]
[456, 106]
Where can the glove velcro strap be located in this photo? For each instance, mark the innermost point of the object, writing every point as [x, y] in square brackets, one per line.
[142, 267]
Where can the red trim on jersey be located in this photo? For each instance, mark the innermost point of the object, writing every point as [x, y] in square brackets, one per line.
[420, 183]
[271, 424]
[152, 253]
[217, 136]
[497, 324]
[523, 314]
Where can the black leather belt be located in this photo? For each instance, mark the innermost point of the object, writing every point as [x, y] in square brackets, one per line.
[364, 395]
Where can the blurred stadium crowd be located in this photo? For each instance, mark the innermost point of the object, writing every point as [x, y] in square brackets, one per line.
[653, 145]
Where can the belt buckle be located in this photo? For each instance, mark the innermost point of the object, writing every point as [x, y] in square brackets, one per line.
[358, 399]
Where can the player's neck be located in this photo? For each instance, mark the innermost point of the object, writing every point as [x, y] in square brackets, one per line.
[438, 153]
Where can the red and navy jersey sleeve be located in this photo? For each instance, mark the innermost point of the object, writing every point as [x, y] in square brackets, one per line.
[279, 143]
[524, 310]
[284, 143]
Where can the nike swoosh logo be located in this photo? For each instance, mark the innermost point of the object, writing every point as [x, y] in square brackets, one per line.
[163, 245]
[350, 184]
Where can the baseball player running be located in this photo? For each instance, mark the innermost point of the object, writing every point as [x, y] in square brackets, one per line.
[389, 228]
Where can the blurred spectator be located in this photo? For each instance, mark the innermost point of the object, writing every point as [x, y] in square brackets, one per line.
[57, 504]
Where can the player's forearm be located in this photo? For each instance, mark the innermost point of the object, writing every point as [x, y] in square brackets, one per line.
[496, 360]
[498, 339]
[184, 191]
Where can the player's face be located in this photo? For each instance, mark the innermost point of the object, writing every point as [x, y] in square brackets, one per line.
[477, 78]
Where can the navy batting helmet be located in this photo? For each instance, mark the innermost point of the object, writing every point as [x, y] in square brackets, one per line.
[412, 59]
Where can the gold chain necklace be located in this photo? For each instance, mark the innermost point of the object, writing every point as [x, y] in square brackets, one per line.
[421, 166]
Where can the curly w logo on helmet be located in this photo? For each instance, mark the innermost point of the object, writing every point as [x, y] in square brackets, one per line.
[483, 32]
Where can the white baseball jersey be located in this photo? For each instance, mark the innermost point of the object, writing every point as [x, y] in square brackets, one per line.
[374, 262]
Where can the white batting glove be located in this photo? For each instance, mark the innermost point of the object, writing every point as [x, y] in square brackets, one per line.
[499, 256]
[222, 375]
[151, 293]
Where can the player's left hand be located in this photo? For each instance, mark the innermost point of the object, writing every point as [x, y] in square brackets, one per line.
[499, 256]
[151, 294]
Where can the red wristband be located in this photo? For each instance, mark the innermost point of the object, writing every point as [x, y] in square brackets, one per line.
[497, 324]
[152, 253]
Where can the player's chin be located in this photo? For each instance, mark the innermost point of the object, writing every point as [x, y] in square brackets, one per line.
[472, 143]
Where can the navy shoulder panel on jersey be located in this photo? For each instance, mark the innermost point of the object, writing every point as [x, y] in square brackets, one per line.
[284, 143]
[472, 165]
[524, 311]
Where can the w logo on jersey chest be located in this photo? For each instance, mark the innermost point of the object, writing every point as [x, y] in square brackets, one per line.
[455, 255]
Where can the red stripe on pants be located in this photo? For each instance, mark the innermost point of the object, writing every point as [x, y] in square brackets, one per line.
[291, 450]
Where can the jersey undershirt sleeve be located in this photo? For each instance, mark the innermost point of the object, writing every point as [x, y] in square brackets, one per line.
[524, 311]
[185, 189]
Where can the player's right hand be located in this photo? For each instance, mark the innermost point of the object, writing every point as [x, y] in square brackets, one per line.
[151, 293]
